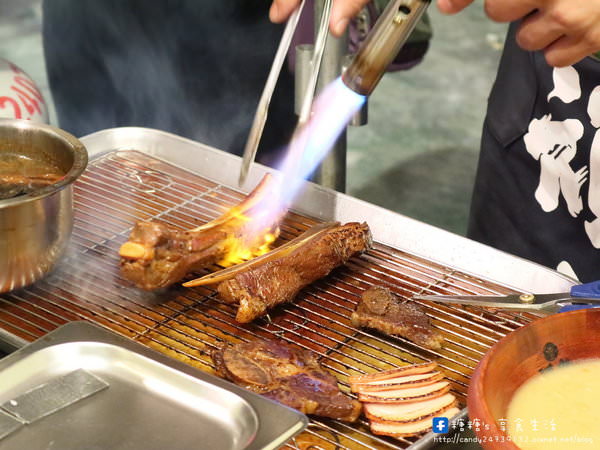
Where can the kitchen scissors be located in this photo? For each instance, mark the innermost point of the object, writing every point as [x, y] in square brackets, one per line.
[580, 296]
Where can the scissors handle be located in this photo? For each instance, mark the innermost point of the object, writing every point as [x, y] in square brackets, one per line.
[586, 290]
[568, 308]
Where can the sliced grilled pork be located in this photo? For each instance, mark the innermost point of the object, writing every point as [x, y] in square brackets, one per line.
[411, 411]
[383, 311]
[404, 394]
[401, 402]
[404, 371]
[279, 280]
[287, 375]
[397, 383]
[405, 429]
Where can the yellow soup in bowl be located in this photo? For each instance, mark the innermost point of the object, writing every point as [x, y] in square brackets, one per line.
[558, 408]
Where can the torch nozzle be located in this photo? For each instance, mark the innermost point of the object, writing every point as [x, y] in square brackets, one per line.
[383, 43]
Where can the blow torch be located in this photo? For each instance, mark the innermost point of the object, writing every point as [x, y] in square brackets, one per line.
[383, 43]
[379, 49]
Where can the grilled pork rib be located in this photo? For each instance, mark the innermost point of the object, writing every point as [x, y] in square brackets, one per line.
[156, 256]
[279, 280]
[168, 255]
[382, 310]
[287, 375]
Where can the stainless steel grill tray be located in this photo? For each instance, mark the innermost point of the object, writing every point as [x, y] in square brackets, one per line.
[145, 399]
[136, 174]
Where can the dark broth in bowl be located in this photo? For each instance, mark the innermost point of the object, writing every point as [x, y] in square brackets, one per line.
[20, 174]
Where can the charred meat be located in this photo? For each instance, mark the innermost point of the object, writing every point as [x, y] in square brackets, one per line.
[156, 256]
[281, 278]
[383, 311]
[287, 375]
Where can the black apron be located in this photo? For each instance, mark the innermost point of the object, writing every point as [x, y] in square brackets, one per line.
[537, 190]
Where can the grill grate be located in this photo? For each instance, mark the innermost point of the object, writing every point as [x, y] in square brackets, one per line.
[122, 187]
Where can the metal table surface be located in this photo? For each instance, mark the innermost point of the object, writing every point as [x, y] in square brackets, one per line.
[140, 174]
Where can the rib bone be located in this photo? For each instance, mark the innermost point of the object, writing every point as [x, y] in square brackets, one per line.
[156, 256]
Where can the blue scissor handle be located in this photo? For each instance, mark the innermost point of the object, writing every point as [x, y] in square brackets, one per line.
[587, 290]
[568, 308]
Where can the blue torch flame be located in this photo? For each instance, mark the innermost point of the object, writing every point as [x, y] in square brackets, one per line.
[332, 110]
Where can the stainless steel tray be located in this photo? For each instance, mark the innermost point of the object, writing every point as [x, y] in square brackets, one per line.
[136, 174]
[152, 402]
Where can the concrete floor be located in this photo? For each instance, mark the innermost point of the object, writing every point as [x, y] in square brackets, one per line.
[418, 154]
[422, 140]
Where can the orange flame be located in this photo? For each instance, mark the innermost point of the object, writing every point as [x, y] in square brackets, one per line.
[248, 244]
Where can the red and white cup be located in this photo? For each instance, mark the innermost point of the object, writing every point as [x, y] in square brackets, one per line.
[20, 98]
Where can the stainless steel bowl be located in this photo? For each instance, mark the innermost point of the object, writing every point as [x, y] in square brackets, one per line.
[35, 228]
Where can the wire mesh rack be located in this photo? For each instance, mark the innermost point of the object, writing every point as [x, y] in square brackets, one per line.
[122, 187]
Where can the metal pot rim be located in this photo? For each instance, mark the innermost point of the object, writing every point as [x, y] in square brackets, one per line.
[80, 160]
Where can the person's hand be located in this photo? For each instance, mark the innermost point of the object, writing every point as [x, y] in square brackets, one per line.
[341, 12]
[565, 30]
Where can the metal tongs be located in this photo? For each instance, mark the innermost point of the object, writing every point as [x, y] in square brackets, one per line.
[262, 111]
[580, 296]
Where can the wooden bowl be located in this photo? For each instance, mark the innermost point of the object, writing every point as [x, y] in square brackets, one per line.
[519, 356]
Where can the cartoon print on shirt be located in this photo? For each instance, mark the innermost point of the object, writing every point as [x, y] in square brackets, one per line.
[593, 108]
[554, 145]
[593, 228]
[566, 84]
[565, 268]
